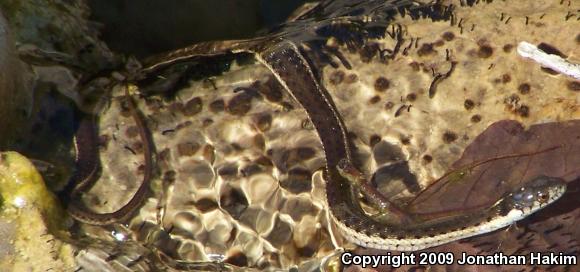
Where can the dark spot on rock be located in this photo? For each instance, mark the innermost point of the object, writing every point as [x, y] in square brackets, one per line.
[513, 105]
[476, 118]
[508, 48]
[426, 49]
[375, 139]
[295, 155]
[336, 77]
[271, 89]
[206, 205]
[448, 36]
[523, 111]
[298, 181]
[240, 104]
[351, 78]
[228, 171]
[375, 99]
[263, 122]
[264, 161]
[217, 106]
[368, 52]
[233, 201]
[187, 149]
[207, 122]
[550, 49]
[405, 140]
[524, 88]
[484, 51]
[239, 259]
[176, 107]
[192, 107]
[250, 170]
[427, 159]
[573, 86]
[468, 104]
[389, 105]
[449, 137]
[306, 251]
[438, 43]
[505, 78]
[415, 66]
[381, 84]
[132, 132]
[411, 97]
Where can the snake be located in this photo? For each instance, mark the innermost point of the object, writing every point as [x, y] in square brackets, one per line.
[87, 167]
[344, 182]
[343, 179]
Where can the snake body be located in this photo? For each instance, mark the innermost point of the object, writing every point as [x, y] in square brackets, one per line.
[87, 168]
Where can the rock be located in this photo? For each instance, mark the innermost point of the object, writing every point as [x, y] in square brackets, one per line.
[15, 88]
[31, 220]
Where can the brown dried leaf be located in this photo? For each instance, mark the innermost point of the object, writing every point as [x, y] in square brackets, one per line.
[503, 158]
[505, 151]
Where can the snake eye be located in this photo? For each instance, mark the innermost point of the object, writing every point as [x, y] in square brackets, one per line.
[543, 197]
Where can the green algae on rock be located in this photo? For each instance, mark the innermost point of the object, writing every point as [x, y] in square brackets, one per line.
[30, 216]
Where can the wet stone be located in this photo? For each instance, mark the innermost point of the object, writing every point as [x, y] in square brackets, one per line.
[240, 104]
[192, 107]
[217, 106]
[382, 84]
[228, 171]
[426, 49]
[484, 51]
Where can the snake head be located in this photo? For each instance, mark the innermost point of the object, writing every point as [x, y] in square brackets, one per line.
[535, 194]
